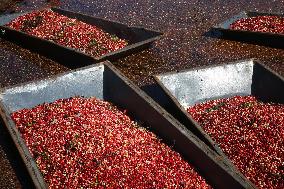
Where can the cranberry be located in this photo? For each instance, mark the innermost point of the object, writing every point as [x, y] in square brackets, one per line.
[251, 134]
[68, 32]
[89, 143]
[272, 24]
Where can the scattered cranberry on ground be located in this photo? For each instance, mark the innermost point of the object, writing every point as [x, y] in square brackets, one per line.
[89, 143]
[68, 32]
[272, 24]
[250, 132]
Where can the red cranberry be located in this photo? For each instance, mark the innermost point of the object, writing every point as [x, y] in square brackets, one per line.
[250, 132]
[68, 32]
[272, 24]
[89, 143]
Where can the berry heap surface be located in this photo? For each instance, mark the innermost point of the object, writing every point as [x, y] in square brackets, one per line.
[251, 134]
[49, 25]
[89, 143]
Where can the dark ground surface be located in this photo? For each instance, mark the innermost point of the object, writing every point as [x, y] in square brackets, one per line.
[185, 44]
[8, 5]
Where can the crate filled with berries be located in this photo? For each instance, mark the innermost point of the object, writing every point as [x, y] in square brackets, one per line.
[239, 108]
[68, 32]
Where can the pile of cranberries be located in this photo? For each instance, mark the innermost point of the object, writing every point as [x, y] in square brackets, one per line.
[250, 132]
[89, 143]
[68, 32]
[272, 24]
